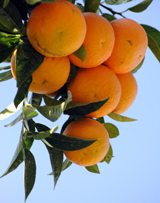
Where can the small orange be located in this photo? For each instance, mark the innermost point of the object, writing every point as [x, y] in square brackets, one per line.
[129, 92]
[98, 43]
[50, 76]
[130, 46]
[96, 84]
[56, 28]
[86, 128]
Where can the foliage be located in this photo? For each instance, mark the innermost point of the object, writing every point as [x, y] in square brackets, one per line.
[13, 19]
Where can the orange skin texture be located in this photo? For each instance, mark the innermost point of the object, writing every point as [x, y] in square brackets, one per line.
[130, 46]
[50, 76]
[56, 29]
[98, 43]
[96, 84]
[88, 129]
[129, 92]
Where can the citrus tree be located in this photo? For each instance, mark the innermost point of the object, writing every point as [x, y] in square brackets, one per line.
[74, 58]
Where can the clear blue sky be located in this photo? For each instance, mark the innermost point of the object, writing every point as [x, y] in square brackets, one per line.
[131, 177]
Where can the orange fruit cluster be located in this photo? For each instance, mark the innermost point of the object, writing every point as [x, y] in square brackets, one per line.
[112, 50]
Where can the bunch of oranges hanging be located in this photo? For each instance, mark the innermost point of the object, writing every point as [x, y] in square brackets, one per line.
[58, 30]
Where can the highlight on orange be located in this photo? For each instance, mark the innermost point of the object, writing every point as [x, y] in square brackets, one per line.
[96, 84]
[56, 28]
[130, 46]
[86, 128]
[129, 92]
[49, 77]
[98, 43]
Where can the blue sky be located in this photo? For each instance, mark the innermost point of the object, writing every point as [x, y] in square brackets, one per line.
[133, 174]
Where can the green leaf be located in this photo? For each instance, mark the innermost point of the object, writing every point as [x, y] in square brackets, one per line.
[30, 172]
[29, 112]
[91, 5]
[5, 68]
[66, 164]
[84, 109]
[108, 156]
[116, 2]
[93, 169]
[32, 2]
[120, 118]
[153, 40]
[66, 123]
[101, 120]
[112, 130]
[5, 76]
[138, 67]
[36, 99]
[141, 6]
[15, 121]
[9, 111]
[81, 53]
[67, 143]
[5, 3]
[108, 16]
[56, 159]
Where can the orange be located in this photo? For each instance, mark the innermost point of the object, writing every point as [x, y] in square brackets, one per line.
[56, 29]
[86, 128]
[130, 45]
[98, 42]
[129, 92]
[96, 84]
[50, 76]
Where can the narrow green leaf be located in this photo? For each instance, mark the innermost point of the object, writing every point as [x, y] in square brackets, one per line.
[15, 121]
[141, 6]
[108, 156]
[112, 130]
[116, 2]
[93, 169]
[67, 143]
[5, 68]
[5, 3]
[36, 99]
[91, 5]
[120, 118]
[138, 67]
[5, 76]
[81, 53]
[9, 111]
[56, 159]
[66, 164]
[84, 109]
[32, 2]
[30, 172]
[101, 120]
[66, 123]
[153, 40]
[108, 16]
[29, 112]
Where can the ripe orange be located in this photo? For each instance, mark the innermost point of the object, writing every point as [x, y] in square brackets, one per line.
[50, 76]
[98, 42]
[88, 129]
[96, 84]
[130, 45]
[129, 92]
[56, 29]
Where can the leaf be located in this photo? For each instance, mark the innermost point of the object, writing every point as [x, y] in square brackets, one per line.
[101, 120]
[15, 121]
[36, 99]
[112, 130]
[5, 68]
[66, 123]
[81, 53]
[29, 112]
[67, 143]
[9, 111]
[108, 156]
[32, 2]
[153, 40]
[5, 3]
[91, 5]
[30, 172]
[93, 169]
[141, 6]
[120, 118]
[85, 108]
[56, 159]
[108, 16]
[5, 76]
[116, 2]
[66, 164]
[138, 67]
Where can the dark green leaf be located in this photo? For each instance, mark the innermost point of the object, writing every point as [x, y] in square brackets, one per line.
[153, 40]
[32, 2]
[73, 72]
[112, 130]
[66, 164]
[93, 169]
[56, 159]
[141, 6]
[117, 2]
[5, 3]
[108, 16]
[138, 67]
[67, 143]
[81, 53]
[70, 119]
[5, 76]
[101, 120]
[91, 5]
[84, 109]
[40, 127]
[108, 156]
[120, 118]
[30, 172]
[36, 99]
